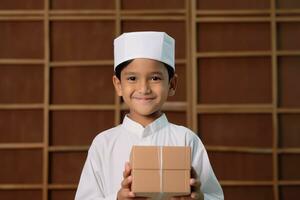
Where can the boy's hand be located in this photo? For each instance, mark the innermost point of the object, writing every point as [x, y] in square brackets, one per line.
[196, 193]
[125, 191]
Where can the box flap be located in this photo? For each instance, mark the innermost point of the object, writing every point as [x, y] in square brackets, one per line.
[176, 157]
[149, 157]
[145, 157]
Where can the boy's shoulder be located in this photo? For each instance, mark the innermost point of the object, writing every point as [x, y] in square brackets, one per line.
[179, 129]
[107, 135]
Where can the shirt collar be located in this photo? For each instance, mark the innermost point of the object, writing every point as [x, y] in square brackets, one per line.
[141, 131]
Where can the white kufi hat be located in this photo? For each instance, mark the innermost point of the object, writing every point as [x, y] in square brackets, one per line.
[149, 44]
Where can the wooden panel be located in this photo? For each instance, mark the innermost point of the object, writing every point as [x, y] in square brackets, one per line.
[21, 166]
[287, 32]
[289, 130]
[288, 4]
[28, 33]
[81, 5]
[236, 129]
[242, 166]
[21, 84]
[233, 37]
[289, 73]
[289, 165]
[248, 193]
[178, 118]
[21, 126]
[175, 28]
[20, 194]
[21, 4]
[82, 85]
[289, 192]
[153, 4]
[82, 40]
[65, 167]
[180, 94]
[233, 4]
[218, 80]
[78, 127]
[62, 194]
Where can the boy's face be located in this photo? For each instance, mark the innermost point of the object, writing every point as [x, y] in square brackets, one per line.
[145, 86]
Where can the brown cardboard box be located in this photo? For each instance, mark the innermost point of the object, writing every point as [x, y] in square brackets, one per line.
[160, 172]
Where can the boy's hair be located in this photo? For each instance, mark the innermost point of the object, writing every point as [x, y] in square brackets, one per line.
[121, 66]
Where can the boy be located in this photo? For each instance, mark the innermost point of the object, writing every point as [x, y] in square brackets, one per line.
[144, 78]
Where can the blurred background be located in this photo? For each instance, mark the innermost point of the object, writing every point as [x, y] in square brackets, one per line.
[238, 63]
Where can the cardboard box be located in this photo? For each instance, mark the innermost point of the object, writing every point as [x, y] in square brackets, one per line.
[160, 172]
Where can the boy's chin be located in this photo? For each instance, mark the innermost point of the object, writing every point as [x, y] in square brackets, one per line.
[148, 113]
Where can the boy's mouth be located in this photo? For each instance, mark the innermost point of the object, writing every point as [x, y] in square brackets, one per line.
[144, 99]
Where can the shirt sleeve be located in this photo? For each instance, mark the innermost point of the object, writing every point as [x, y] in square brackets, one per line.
[90, 186]
[210, 186]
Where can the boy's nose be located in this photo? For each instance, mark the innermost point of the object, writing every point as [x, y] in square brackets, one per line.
[144, 87]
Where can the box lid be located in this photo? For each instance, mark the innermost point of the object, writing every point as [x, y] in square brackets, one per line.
[164, 157]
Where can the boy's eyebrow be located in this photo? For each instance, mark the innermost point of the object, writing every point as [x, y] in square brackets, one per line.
[130, 73]
[135, 73]
[158, 72]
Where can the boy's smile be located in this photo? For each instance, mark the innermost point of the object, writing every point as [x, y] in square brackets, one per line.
[145, 86]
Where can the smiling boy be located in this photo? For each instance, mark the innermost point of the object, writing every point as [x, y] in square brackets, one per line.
[144, 78]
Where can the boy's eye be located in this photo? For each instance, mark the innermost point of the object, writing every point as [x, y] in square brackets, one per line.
[155, 78]
[131, 78]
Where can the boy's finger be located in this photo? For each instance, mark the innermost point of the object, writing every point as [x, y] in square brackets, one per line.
[127, 167]
[127, 170]
[131, 194]
[194, 195]
[195, 182]
[126, 174]
[126, 182]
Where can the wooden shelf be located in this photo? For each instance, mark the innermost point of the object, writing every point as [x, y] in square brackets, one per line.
[21, 186]
[288, 19]
[289, 110]
[62, 186]
[81, 107]
[246, 183]
[57, 12]
[20, 106]
[239, 149]
[233, 12]
[153, 18]
[21, 18]
[233, 54]
[288, 150]
[16, 146]
[154, 12]
[288, 53]
[232, 19]
[287, 11]
[243, 108]
[68, 148]
[22, 61]
[289, 183]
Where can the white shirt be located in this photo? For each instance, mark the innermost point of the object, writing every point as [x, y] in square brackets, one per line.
[103, 170]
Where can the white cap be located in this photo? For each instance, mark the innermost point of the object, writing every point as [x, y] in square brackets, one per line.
[147, 44]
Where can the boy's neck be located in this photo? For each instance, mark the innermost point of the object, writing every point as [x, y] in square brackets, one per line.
[144, 120]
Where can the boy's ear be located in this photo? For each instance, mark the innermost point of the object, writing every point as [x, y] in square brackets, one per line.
[173, 85]
[117, 84]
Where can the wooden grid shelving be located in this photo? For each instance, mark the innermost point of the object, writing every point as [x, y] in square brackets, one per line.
[187, 21]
